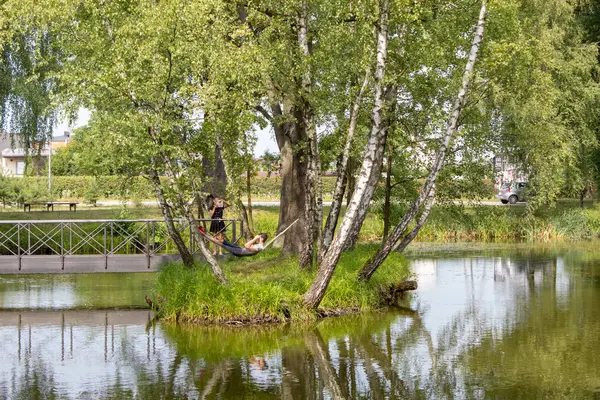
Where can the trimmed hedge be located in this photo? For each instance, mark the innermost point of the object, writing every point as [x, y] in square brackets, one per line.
[89, 188]
[35, 188]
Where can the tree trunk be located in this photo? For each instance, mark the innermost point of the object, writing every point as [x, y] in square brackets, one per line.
[369, 173]
[248, 232]
[185, 208]
[388, 190]
[293, 174]
[366, 273]
[250, 221]
[306, 118]
[214, 171]
[212, 261]
[165, 208]
[340, 182]
[350, 179]
[384, 126]
[451, 129]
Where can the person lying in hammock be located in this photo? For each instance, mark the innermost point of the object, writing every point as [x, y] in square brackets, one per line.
[258, 243]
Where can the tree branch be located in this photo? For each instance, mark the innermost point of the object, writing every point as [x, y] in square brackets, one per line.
[264, 113]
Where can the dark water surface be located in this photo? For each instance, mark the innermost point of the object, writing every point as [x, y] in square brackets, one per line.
[506, 323]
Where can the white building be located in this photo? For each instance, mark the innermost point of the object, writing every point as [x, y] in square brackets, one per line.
[12, 159]
[506, 171]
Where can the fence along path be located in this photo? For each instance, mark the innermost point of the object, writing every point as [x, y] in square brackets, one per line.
[82, 246]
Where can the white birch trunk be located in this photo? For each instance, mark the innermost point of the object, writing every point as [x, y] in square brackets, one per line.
[312, 214]
[189, 215]
[370, 170]
[452, 126]
[338, 192]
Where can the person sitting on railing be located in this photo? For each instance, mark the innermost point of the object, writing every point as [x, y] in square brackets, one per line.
[258, 243]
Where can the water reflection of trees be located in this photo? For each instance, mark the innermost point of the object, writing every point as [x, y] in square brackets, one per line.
[544, 344]
[553, 348]
[346, 358]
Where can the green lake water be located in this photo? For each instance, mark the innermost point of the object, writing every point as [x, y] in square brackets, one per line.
[500, 323]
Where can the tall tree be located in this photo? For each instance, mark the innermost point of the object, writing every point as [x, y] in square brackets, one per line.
[369, 172]
[427, 191]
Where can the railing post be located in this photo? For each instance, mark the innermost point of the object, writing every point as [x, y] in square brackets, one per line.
[62, 246]
[148, 243]
[19, 244]
[28, 238]
[105, 248]
[153, 236]
[233, 231]
[191, 238]
[241, 228]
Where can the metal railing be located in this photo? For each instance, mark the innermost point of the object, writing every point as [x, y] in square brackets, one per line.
[106, 238]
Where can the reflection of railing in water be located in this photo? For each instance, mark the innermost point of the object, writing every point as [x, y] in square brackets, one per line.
[28, 323]
[56, 245]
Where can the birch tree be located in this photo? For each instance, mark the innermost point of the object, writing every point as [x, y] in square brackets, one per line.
[369, 171]
[451, 129]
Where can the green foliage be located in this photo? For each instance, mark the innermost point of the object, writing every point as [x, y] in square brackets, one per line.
[79, 187]
[28, 62]
[271, 162]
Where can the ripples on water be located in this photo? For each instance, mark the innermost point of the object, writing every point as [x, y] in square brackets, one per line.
[503, 324]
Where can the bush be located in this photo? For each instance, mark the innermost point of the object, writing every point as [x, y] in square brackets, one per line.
[34, 188]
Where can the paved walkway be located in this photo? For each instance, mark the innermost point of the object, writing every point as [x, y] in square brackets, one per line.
[276, 203]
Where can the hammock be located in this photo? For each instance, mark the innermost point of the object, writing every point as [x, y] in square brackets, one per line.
[238, 250]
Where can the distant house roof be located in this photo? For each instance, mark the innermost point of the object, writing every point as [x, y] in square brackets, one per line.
[21, 152]
[61, 138]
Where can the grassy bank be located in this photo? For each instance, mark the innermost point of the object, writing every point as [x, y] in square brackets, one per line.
[268, 288]
[565, 222]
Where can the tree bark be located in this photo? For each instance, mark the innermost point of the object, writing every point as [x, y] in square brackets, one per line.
[293, 174]
[340, 182]
[451, 129]
[369, 173]
[214, 170]
[248, 232]
[388, 191]
[350, 179]
[165, 208]
[390, 97]
[250, 218]
[311, 210]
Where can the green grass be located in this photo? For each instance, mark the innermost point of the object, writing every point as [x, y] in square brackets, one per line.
[266, 285]
[564, 222]
[83, 212]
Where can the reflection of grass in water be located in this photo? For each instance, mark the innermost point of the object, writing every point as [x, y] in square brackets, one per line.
[263, 286]
[113, 290]
[90, 291]
[215, 343]
[574, 251]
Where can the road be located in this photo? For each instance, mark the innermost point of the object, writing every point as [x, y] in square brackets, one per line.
[276, 203]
